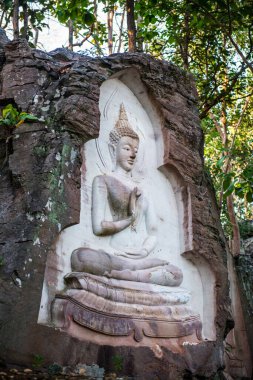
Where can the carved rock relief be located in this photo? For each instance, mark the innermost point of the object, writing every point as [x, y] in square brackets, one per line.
[99, 306]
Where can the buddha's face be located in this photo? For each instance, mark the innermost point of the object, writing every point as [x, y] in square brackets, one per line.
[126, 153]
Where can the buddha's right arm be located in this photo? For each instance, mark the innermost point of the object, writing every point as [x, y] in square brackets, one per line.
[110, 228]
[100, 226]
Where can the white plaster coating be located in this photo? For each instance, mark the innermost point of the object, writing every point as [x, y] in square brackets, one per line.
[49, 204]
[167, 204]
[36, 241]
[29, 217]
[58, 157]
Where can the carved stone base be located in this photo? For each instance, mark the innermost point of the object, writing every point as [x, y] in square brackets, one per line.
[66, 309]
[124, 309]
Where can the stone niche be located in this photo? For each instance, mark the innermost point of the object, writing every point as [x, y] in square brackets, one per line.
[115, 309]
[122, 253]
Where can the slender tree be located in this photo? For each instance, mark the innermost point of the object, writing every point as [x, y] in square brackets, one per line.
[110, 15]
[25, 20]
[16, 19]
[71, 34]
[131, 29]
[121, 29]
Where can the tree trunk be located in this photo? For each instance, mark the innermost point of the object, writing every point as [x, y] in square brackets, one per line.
[15, 19]
[71, 34]
[36, 36]
[121, 29]
[110, 15]
[186, 39]
[139, 39]
[95, 27]
[25, 29]
[235, 241]
[131, 31]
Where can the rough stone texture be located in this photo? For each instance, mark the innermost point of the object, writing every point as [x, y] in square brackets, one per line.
[3, 41]
[244, 269]
[40, 190]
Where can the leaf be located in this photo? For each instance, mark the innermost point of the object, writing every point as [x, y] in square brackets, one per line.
[226, 182]
[239, 193]
[10, 112]
[89, 18]
[27, 116]
[249, 196]
[229, 190]
[171, 39]
[221, 161]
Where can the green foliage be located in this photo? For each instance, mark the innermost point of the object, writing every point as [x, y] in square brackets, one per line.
[41, 151]
[36, 11]
[84, 19]
[246, 228]
[38, 361]
[54, 369]
[12, 118]
[231, 164]
[117, 362]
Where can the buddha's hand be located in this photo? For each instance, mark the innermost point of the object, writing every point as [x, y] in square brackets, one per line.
[135, 194]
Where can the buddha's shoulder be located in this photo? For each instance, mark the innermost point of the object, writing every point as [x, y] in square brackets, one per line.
[105, 179]
[115, 181]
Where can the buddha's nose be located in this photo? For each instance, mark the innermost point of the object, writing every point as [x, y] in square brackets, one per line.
[133, 155]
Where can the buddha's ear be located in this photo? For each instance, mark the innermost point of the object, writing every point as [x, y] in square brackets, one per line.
[112, 151]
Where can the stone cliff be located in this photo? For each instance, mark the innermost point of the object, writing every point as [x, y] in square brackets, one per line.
[40, 196]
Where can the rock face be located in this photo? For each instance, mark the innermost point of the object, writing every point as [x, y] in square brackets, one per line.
[244, 269]
[40, 197]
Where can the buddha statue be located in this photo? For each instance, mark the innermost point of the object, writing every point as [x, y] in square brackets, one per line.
[133, 224]
[123, 280]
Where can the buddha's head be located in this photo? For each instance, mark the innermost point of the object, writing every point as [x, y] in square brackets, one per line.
[123, 143]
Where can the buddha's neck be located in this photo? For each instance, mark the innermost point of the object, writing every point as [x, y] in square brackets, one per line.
[121, 172]
[123, 176]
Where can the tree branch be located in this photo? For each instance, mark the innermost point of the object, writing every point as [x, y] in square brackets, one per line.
[223, 93]
[88, 35]
[227, 34]
[217, 125]
[249, 65]
[235, 133]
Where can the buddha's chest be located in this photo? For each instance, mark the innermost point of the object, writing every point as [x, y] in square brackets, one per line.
[118, 194]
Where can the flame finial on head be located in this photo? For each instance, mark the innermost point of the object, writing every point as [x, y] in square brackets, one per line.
[122, 120]
[122, 128]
